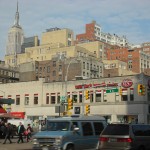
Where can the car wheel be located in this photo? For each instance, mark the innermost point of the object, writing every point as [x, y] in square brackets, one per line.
[70, 147]
[141, 148]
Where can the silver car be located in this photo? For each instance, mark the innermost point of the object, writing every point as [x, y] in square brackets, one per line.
[125, 137]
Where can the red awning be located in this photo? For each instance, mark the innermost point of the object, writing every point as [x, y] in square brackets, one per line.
[2, 110]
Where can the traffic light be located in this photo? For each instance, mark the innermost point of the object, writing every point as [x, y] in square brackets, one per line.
[87, 95]
[120, 91]
[70, 104]
[87, 109]
[140, 87]
[143, 89]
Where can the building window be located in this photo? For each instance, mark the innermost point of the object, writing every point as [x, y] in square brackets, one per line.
[131, 95]
[74, 98]
[60, 67]
[58, 98]
[54, 73]
[54, 63]
[83, 65]
[17, 100]
[35, 99]
[98, 97]
[60, 77]
[69, 35]
[48, 69]
[40, 68]
[80, 98]
[69, 43]
[53, 99]
[26, 101]
[47, 98]
[87, 66]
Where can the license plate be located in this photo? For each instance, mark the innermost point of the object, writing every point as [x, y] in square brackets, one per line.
[113, 140]
[44, 148]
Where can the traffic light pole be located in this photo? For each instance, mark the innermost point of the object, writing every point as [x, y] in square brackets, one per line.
[82, 99]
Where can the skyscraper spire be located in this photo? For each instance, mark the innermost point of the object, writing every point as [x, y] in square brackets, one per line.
[16, 23]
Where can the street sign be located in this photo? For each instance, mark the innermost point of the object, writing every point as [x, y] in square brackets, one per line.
[111, 90]
[63, 99]
[59, 109]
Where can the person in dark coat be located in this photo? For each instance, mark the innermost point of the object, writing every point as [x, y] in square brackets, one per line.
[8, 133]
[20, 131]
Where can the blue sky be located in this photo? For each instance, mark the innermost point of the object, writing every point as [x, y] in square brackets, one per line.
[122, 17]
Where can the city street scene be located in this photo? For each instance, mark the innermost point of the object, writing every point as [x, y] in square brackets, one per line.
[74, 75]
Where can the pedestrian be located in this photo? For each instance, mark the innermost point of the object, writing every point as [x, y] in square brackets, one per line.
[20, 131]
[8, 133]
[29, 131]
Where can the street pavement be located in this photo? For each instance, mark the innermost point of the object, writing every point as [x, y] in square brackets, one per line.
[15, 146]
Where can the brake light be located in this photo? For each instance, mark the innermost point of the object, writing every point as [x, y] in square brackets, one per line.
[103, 139]
[129, 140]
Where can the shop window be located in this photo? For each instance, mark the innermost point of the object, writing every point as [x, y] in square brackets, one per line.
[74, 98]
[98, 97]
[80, 98]
[124, 97]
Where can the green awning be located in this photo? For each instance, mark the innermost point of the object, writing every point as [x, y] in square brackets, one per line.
[7, 101]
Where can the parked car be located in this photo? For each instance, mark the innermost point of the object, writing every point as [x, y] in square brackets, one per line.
[125, 137]
[70, 133]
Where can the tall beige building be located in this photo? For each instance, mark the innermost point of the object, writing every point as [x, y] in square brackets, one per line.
[55, 42]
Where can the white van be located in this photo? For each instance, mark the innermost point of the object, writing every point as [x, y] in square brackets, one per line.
[16, 122]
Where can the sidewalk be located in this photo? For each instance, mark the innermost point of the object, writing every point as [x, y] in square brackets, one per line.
[15, 145]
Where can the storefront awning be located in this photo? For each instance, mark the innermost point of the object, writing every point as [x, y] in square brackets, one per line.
[2, 110]
[8, 115]
[7, 101]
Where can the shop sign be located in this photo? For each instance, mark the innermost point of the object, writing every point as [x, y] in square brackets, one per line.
[18, 114]
[126, 83]
[96, 85]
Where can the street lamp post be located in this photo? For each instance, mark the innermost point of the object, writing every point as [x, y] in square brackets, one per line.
[66, 79]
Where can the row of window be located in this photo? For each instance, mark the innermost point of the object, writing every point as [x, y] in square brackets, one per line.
[57, 99]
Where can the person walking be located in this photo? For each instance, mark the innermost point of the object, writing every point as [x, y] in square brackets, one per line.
[8, 133]
[29, 131]
[20, 130]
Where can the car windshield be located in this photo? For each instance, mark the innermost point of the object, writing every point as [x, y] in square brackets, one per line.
[57, 126]
[116, 129]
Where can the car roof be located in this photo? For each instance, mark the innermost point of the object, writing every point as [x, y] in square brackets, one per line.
[78, 118]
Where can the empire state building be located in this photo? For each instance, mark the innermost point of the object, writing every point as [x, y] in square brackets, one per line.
[15, 38]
